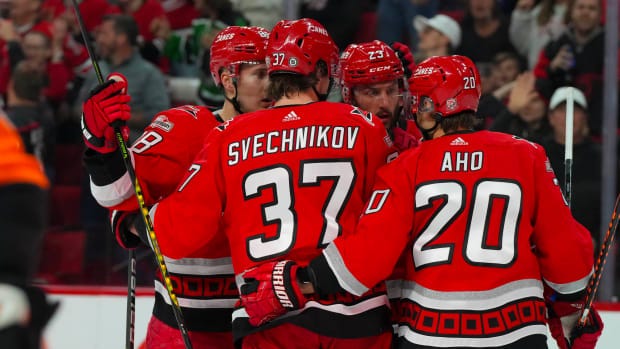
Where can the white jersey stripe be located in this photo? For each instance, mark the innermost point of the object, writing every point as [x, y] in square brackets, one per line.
[200, 266]
[116, 192]
[571, 287]
[340, 309]
[346, 280]
[472, 300]
[451, 342]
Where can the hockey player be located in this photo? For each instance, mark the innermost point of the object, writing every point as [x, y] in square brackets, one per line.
[204, 282]
[24, 310]
[283, 183]
[489, 228]
[373, 78]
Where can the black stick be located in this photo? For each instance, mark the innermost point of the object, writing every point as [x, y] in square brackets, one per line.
[176, 308]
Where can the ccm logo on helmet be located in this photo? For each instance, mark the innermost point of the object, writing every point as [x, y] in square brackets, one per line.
[316, 29]
[379, 69]
[225, 37]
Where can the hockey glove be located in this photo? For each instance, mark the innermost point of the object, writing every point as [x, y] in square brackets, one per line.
[107, 105]
[270, 290]
[562, 319]
[403, 140]
[121, 221]
[405, 56]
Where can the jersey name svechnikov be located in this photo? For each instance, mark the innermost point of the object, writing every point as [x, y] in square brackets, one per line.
[335, 137]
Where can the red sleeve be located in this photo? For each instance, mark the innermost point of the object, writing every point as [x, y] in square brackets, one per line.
[189, 219]
[564, 246]
[161, 157]
[542, 66]
[383, 230]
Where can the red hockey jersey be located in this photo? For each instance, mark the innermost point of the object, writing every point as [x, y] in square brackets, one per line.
[283, 183]
[483, 218]
[204, 282]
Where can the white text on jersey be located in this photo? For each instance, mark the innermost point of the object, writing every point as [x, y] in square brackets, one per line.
[461, 161]
[336, 137]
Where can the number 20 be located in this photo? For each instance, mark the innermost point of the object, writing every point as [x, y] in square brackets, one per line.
[470, 82]
[475, 249]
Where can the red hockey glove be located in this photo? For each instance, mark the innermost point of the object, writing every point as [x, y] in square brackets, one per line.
[120, 222]
[106, 105]
[405, 56]
[403, 140]
[270, 290]
[562, 318]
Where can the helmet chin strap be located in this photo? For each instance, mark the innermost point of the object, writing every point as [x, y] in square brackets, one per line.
[234, 101]
[427, 133]
[323, 96]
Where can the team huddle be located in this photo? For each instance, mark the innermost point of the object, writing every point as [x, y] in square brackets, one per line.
[386, 221]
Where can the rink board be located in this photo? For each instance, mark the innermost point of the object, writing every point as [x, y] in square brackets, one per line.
[94, 318]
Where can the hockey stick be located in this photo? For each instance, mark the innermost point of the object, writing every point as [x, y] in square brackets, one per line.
[568, 146]
[131, 301]
[176, 308]
[600, 264]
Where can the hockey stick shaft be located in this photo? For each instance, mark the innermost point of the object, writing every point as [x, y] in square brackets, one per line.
[600, 264]
[176, 308]
[131, 301]
[568, 147]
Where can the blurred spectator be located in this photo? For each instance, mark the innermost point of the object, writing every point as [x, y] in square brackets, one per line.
[497, 81]
[586, 169]
[10, 52]
[92, 12]
[30, 114]
[533, 25]
[25, 16]
[43, 51]
[153, 28]
[180, 13]
[215, 16]
[439, 36]
[116, 43]
[485, 31]
[506, 66]
[329, 13]
[261, 13]
[525, 114]
[394, 18]
[576, 58]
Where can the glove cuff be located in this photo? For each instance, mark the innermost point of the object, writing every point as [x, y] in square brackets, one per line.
[119, 221]
[285, 274]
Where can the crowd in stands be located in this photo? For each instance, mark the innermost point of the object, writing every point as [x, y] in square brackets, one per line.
[527, 51]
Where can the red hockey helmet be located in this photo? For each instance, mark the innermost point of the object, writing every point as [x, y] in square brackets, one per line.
[368, 63]
[297, 46]
[237, 45]
[445, 85]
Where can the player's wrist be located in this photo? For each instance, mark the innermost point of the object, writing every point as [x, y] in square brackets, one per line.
[305, 280]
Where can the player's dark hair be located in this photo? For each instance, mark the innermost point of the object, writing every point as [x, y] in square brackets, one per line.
[287, 84]
[466, 120]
